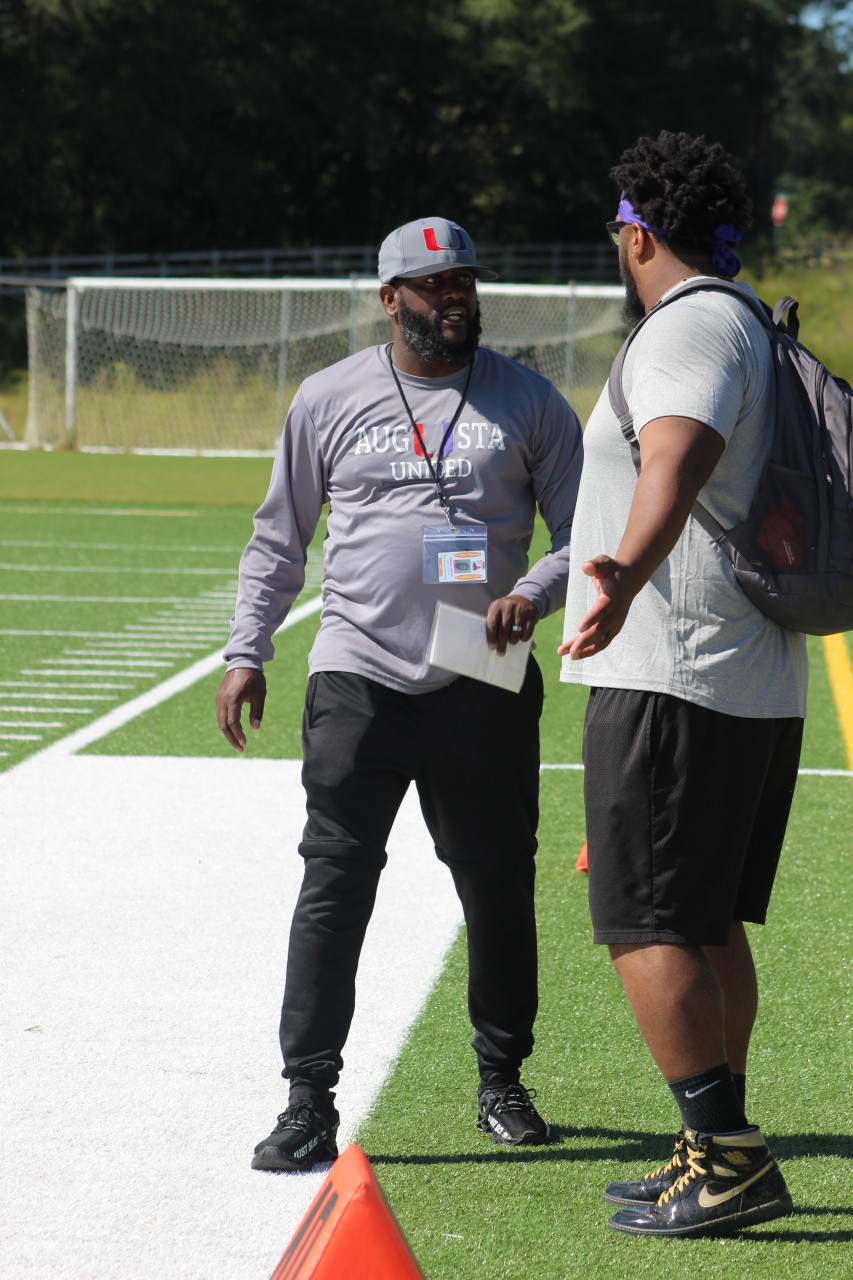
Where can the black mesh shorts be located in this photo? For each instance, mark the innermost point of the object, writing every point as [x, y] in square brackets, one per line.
[686, 810]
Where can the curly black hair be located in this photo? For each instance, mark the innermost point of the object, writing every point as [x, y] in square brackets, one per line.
[685, 187]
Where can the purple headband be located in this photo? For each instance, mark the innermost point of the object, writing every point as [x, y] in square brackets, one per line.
[723, 257]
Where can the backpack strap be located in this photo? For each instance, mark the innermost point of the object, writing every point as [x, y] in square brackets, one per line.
[787, 307]
[616, 392]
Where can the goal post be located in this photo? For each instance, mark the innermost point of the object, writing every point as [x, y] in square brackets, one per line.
[200, 365]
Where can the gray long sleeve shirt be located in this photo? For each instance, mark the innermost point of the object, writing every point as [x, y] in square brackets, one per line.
[348, 441]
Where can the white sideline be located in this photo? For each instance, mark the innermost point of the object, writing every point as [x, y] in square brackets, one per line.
[148, 905]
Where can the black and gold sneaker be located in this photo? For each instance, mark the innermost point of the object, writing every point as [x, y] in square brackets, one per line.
[302, 1138]
[647, 1190]
[731, 1181]
[508, 1113]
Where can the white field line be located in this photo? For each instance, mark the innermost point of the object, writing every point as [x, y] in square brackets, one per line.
[21, 737]
[128, 711]
[135, 673]
[62, 697]
[134, 649]
[61, 510]
[814, 773]
[107, 636]
[115, 662]
[55, 711]
[75, 599]
[32, 724]
[30, 684]
[119, 546]
[125, 570]
[144, 908]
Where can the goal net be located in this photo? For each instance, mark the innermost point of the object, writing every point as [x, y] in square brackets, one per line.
[214, 364]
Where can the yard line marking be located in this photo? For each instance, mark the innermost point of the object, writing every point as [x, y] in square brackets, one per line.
[65, 711]
[96, 511]
[135, 673]
[133, 649]
[21, 737]
[127, 711]
[75, 599]
[123, 569]
[160, 629]
[113, 662]
[33, 724]
[111, 636]
[815, 773]
[65, 697]
[29, 684]
[841, 681]
[119, 546]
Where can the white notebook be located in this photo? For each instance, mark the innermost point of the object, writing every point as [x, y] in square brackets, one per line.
[457, 642]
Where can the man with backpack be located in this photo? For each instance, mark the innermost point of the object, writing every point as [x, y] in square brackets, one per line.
[695, 715]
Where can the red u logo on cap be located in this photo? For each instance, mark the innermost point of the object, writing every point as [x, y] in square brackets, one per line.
[432, 243]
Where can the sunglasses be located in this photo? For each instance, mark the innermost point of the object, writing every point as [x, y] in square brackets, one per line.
[613, 229]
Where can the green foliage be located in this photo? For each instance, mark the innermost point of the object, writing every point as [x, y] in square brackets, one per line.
[822, 287]
[154, 126]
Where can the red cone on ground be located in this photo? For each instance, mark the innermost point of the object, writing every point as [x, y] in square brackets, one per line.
[582, 863]
[349, 1231]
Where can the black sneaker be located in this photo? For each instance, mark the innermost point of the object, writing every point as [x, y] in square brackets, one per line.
[649, 1189]
[302, 1138]
[731, 1181]
[507, 1111]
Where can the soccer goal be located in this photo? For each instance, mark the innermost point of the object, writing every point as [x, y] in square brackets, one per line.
[202, 365]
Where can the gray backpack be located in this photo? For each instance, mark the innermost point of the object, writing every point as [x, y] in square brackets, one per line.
[793, 554]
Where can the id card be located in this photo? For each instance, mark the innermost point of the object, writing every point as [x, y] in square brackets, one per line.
[455, 555]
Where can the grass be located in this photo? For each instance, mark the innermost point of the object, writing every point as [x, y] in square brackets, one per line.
[469, 1208]
[117, 479]
[823, 291]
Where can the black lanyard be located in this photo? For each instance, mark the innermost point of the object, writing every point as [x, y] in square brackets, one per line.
[436, 479]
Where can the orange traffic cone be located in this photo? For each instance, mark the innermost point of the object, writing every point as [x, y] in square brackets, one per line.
[582, 863]
[349, 1231]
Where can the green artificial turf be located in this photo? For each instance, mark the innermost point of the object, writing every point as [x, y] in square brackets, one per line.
[468, 1207]
[110, 479]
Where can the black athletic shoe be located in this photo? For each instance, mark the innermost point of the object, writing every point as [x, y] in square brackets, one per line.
[507, 1111]
[731, 1181]
[302, 1138]
[648, 1190]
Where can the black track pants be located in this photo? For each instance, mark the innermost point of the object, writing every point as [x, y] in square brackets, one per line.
[473, 753]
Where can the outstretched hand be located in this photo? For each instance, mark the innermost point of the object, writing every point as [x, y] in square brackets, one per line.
[607, 616]
[243, 684]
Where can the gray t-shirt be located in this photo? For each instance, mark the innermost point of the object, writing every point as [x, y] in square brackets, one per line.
[691, 632]
[348, 440]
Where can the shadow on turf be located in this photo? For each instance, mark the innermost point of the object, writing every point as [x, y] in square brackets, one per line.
[628, 1146]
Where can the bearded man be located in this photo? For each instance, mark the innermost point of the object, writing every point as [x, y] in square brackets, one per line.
[695, 715]
[411, 442]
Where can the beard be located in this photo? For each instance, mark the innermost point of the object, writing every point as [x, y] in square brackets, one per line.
[633, 309]
[423, 335]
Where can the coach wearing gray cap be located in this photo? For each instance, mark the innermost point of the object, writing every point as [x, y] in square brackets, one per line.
[408, 442]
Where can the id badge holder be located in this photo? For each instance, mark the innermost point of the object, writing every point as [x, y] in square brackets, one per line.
[455, 555]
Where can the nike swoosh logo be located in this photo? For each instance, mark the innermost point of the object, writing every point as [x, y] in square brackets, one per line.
[708, 1200]
[704, 1089]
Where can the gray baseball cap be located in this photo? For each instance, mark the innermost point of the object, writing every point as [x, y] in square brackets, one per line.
[425, 246]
